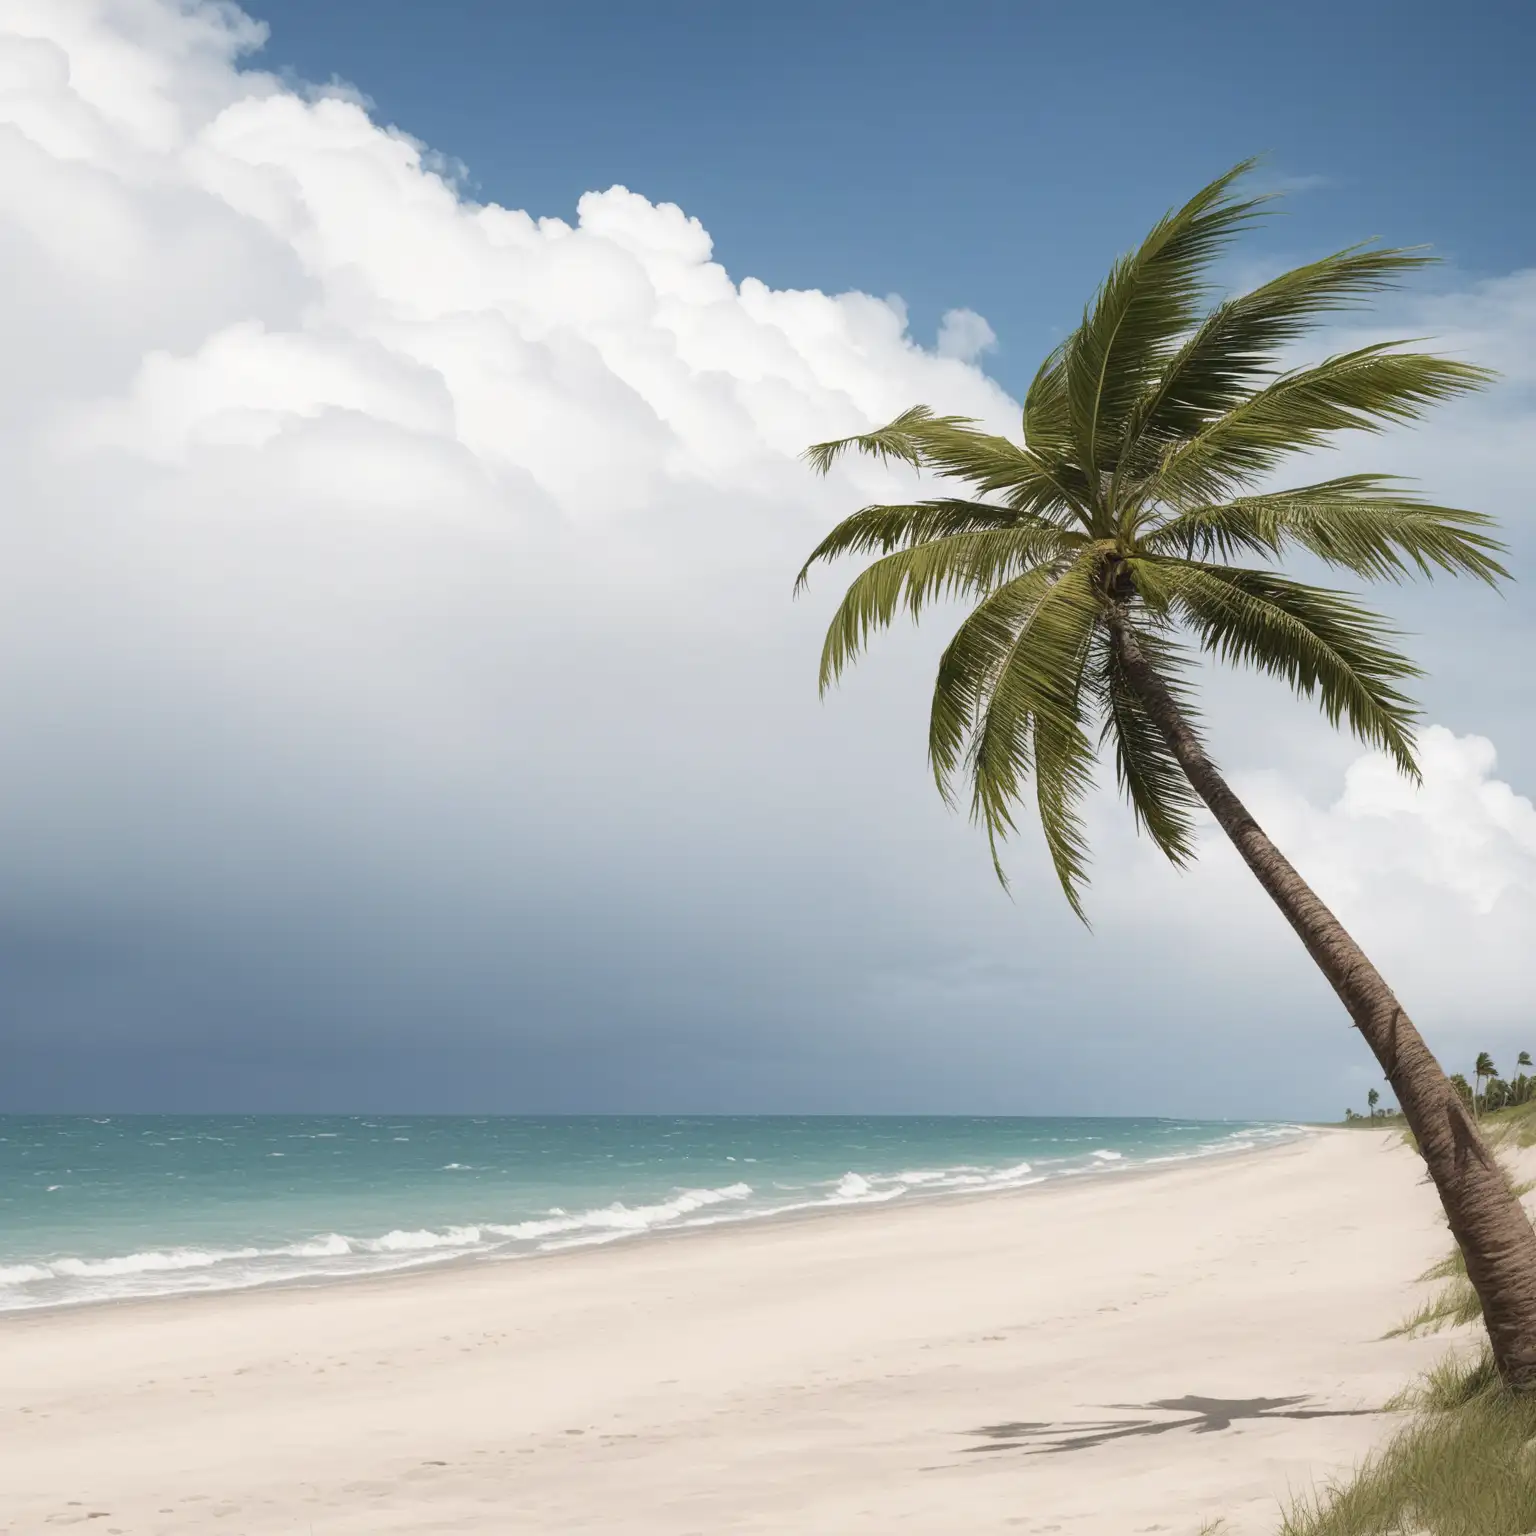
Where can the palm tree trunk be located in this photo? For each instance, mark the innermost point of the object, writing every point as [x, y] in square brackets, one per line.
[1485, 1216]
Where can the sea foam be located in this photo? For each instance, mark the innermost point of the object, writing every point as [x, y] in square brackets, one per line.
[32, 1279]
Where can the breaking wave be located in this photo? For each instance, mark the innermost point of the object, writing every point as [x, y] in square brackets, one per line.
[65, 1279]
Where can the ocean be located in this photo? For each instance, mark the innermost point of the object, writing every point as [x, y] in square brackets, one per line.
[103, 1208]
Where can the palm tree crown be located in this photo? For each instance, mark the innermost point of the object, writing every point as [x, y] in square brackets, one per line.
[1112, 530]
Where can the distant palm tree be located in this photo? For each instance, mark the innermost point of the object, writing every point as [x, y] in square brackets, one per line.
[1522, 1084]
[1111, 529]
[1372, 1099]
[1483, 1068]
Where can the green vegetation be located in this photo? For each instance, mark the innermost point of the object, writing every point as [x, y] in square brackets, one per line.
[1483, 1068]
[1498, 1094]
[1373, 1115]
[1456, 1303]
[1134, 523]
[1464, 1466]
[1511, 1124]
[1453, 1383]
[1100, 551]
[1519, 1125]
[1480, 1099]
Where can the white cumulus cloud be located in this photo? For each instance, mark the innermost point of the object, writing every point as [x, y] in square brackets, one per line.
[1461, 830]
[350, 524]
[964, 334]
[1436, 880]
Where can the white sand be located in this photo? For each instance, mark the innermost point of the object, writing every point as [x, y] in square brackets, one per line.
[829, 1376]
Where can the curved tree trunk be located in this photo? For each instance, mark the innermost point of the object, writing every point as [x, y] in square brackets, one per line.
[1485, 1216]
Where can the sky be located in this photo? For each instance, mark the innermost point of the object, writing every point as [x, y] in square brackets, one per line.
[402, 700]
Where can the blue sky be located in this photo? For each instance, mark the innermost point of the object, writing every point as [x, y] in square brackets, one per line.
[404, 703]
[989, 156]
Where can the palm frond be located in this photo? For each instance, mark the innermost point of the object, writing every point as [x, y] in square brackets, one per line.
[1361, 523]
[1365, 390]
[1148, 773]
[951, 446]
[882, 528]
[1150, 298]
[1030, 720]
[971, 563]
[900, 439]
[1064, 764]
[1322, 643]
[1047, 411]
[1238, 344]
[969, 666]
[994, 466]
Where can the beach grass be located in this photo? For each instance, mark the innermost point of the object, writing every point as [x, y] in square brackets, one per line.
[1455, 1304]
[1513, 1126]
[1465, 1465]
[1454, 1382]
[1516, 1125]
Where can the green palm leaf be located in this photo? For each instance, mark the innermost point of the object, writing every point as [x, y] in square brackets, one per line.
[1360, 523]
[1148, 301]
[881, 529]
[1323, 643]
[1365, 390]
[970, 563]
[901, 440]
[1149, 775]
[1029, 721]
[1047, 411]
[951, 446]
[969, 666]
[1237, 347]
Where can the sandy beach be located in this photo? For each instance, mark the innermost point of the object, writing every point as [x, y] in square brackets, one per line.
[1141, 1352]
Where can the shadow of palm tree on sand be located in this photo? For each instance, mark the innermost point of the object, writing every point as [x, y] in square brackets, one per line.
[1200, 1415]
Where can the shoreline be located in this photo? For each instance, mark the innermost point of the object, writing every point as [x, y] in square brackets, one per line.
[1156, 1351]
[915, 1198]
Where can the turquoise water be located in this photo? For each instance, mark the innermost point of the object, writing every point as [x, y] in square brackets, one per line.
[95, 1209]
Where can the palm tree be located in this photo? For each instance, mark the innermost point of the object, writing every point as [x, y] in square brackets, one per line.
[1116, 527]
[1483, 1068]
[1372, 1099]
[1522, 1084]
